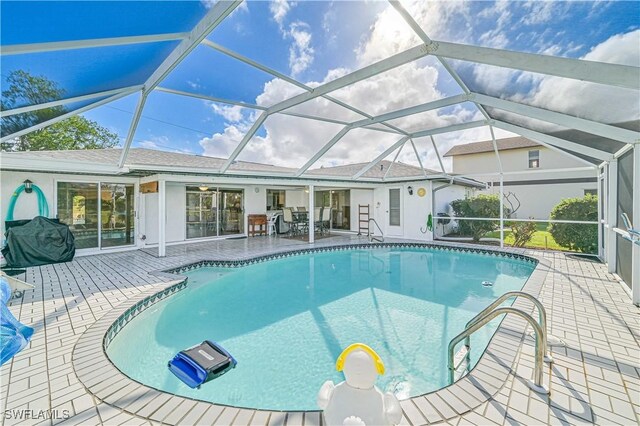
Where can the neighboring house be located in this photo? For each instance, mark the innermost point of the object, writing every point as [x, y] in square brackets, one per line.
[109, 207]
[535, 175]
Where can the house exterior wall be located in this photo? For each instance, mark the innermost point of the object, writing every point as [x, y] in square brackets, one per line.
[548, 185]
[27, 204]
[513, 160]
[415, 209]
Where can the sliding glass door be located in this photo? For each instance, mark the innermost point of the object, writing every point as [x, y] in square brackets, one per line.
[202, 207]
[100, 215]
[214, 212]
[78, 208]
[117, 215]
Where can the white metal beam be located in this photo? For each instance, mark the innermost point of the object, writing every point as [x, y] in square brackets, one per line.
[394, 160]
[379, 67]
[635, 217]
[593, 127]
[425, 38]
[18, 49]
[577, 69]
[260, 108]
[67, 115]
[346, 80]
[447, 129]
[380, 157]
[428, 106]
[211, 20]
[415, 151]
[611, 246]
[132, 129]
[51, 104]
[210, 98]
[553, 141]
[495, 149]
[323, 150]
[208, 23]
[252, 131]
[435, 148]
[290, 80]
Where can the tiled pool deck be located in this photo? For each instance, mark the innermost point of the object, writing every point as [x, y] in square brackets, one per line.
[595, 379]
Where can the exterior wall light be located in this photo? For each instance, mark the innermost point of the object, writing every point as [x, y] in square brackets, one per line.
[410, 189]
[28, 186]
[203, 187]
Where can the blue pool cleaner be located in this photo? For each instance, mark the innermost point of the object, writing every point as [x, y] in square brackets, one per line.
[14, 335]
[201, 363]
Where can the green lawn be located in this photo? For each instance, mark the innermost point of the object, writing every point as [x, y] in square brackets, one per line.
[541, 239]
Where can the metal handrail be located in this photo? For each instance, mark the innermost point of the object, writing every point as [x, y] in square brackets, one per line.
[371, 237]
[542, 318]
[538, 374]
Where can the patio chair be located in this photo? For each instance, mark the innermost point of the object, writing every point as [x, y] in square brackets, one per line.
[271, 224]
[302, 209]
[288, 219]
[317, 218]
[326, 220]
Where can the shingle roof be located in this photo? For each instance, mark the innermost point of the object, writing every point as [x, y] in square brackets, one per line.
[398, 170]
[151, 157]
[146, 159]
[487, 146]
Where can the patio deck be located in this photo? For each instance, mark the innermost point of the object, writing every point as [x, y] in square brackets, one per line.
[594, 380]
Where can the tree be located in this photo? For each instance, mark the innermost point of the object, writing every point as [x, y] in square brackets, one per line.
[576, 236]
[480, 206]
[73, 133]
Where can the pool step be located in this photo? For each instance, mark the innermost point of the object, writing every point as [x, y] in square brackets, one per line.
[461, 361]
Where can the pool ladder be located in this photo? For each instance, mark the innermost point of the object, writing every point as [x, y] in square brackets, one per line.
[486, 315]
[372, 237]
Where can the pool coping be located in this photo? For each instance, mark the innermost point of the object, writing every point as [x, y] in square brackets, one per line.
[106, 382]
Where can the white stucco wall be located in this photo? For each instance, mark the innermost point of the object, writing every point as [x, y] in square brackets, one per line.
[513, 160]
[359, 197]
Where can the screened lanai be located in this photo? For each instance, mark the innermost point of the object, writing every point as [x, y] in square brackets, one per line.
[408, 97]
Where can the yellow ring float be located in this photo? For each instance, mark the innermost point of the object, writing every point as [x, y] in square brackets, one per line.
[376, 358]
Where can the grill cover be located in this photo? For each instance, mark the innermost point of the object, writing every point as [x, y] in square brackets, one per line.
[39, 242]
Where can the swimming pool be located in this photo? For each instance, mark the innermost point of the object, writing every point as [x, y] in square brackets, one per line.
[287, 320]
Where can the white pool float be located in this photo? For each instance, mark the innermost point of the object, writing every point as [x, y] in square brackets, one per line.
[357, 400]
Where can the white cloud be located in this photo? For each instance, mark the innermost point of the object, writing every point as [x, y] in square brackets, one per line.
[279, 10]
[593, 101]
[148, 144]
[291, 141]
[222, 144]
[232, 114]
[300, 52]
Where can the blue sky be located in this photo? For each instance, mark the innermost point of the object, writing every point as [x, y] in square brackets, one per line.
[312, 41]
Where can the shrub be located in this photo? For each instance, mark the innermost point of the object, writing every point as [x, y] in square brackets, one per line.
[479, 206]
[576, 236]
[522, 232]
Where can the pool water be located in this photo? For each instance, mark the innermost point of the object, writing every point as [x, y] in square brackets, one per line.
[287, 320]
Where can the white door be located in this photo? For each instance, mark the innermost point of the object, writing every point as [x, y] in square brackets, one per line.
[394, 212]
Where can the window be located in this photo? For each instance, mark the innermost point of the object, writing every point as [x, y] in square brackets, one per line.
[394, 207]
[534, 159]
[275, 199]
[593, 192]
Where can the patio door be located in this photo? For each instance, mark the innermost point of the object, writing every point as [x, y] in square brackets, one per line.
[394, 212]
[214, 212]
[100, 215]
